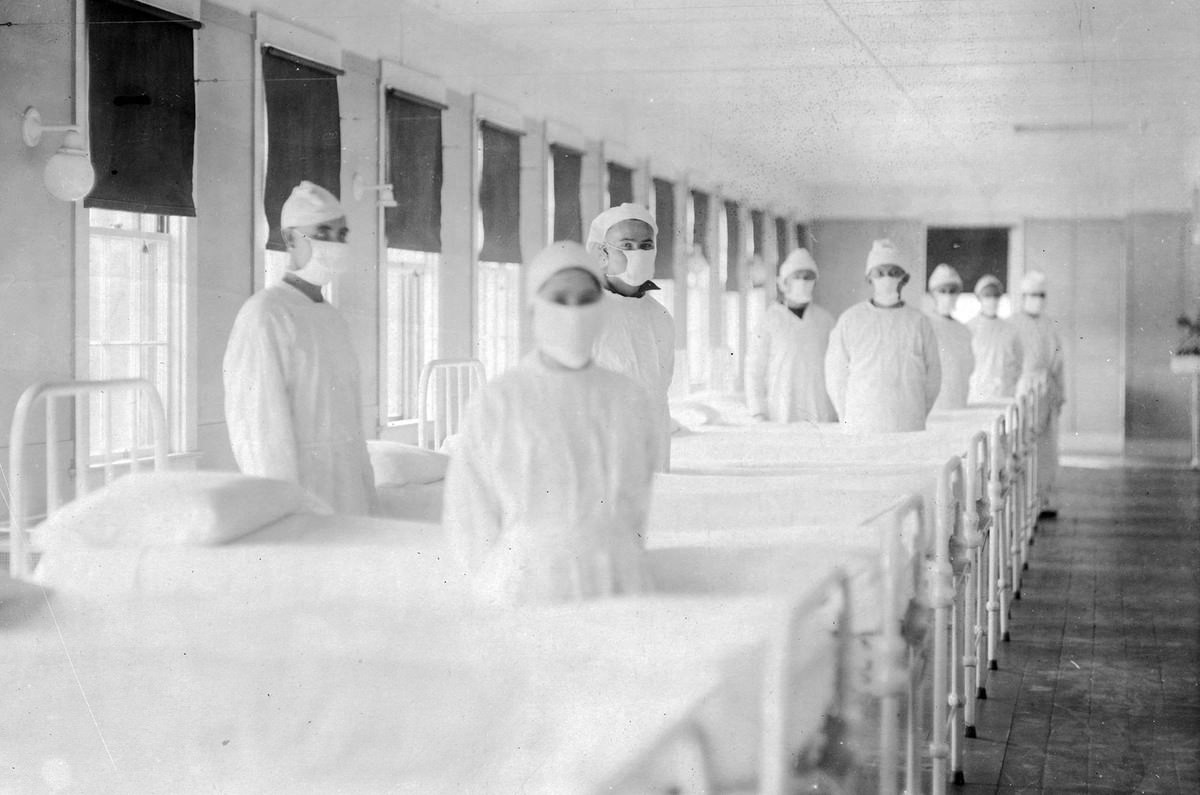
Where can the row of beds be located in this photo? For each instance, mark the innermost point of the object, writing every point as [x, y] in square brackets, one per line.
[827, 610]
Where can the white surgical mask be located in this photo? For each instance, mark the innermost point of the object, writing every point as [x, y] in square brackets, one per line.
[945, 303]
[886, 290]
[567, 334]
[799, 291]
[639, 265]
[1034, 304]
[989, 305]
[326, 259]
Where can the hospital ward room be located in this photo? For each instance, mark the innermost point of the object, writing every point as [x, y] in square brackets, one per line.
[691, 397]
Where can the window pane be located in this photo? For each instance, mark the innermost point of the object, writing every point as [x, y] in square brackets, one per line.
[497, 318]
[411, 326]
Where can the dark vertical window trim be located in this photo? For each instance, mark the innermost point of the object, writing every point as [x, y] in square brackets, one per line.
[568, 177]
[733, 249]
[620, 184]
[304, 133]
[700, 210]
[500, 194]
[664, 217]
[141, 109]
[415, 171]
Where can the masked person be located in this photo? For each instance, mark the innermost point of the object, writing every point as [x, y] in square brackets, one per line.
[785, 371]
[882, 368]
[1043, 356]
[547, 496]
[638, 337]
[996, 345]
[954, 339]
[292, 395]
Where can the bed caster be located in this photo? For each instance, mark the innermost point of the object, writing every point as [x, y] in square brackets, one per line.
[1006, 637]
[959, 779]
[981, 694]
[969, 733]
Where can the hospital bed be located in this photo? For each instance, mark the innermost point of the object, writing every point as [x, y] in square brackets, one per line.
[298, 564]
[837, 516]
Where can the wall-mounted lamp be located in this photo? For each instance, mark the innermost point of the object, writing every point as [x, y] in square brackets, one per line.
[358, 187]
[69, 174]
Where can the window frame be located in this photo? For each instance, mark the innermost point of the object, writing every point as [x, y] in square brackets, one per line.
[182, 411]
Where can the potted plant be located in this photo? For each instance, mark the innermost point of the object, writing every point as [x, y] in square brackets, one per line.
[1186, 357]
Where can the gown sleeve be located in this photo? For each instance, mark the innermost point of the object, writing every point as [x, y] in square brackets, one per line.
[837, 363]
[933, 364]
[258, 407]
[470, 510]
[756, 367]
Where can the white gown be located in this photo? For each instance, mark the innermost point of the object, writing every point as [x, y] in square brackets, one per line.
[1044, 355]
[997, 348]
[785, 369]
[882, 368]
[547, 496]
[638, 341]
[958, 360]
[292, 398]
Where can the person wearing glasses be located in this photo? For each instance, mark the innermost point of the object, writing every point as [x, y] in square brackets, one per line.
[1043, 356]
[292, 386]
[954, 339]
[882, 369]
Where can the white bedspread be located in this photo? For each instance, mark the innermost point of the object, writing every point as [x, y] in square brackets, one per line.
[181, 695]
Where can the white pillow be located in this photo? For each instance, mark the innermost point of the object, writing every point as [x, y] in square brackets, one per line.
[691, 414]
[397, 464]
[173, 509]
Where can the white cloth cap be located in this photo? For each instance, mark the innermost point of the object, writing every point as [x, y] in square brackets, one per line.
[798, 260]
[309, 204]
[984, 281]
[560, 256]
[942, 275]
[613, 216]
[1033, 282]
[884, 252]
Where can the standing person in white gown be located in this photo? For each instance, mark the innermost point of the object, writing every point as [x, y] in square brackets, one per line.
[292, 392]
[996, 345]
[1043, 357]
[638, 338]
[954, 339]
[547, 495]
[785, 371]
[882, 368]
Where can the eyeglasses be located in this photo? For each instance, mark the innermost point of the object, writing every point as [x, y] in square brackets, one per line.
[892, 271]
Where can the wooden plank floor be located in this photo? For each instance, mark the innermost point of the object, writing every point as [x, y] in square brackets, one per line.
[1099, 688]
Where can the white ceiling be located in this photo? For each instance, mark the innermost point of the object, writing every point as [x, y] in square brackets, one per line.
[780, 101]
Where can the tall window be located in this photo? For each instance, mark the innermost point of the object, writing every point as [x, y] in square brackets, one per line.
[781, 245]
[141, 121]
[620, 184]
[664, 260]
[699, 280]
[565, 210]
[413, 229]
[304, 138]
[498, 278]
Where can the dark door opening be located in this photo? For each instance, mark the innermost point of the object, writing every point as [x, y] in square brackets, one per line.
[972, 251]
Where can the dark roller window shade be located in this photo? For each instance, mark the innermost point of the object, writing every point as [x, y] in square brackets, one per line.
[758, 230]
[620, 184]
[733, 248]
[973, 251]
[781, 242]
[415, 171]
[141, 109]
[700, 221]
[801, 236]
[664, 217]
[568, 212]
[304, 132]
[500, 195]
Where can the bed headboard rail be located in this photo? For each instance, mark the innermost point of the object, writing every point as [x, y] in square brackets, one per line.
[142, 396]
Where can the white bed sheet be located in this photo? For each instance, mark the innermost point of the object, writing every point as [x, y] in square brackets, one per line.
[301, 559]
[182, 694]
[419, 502]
